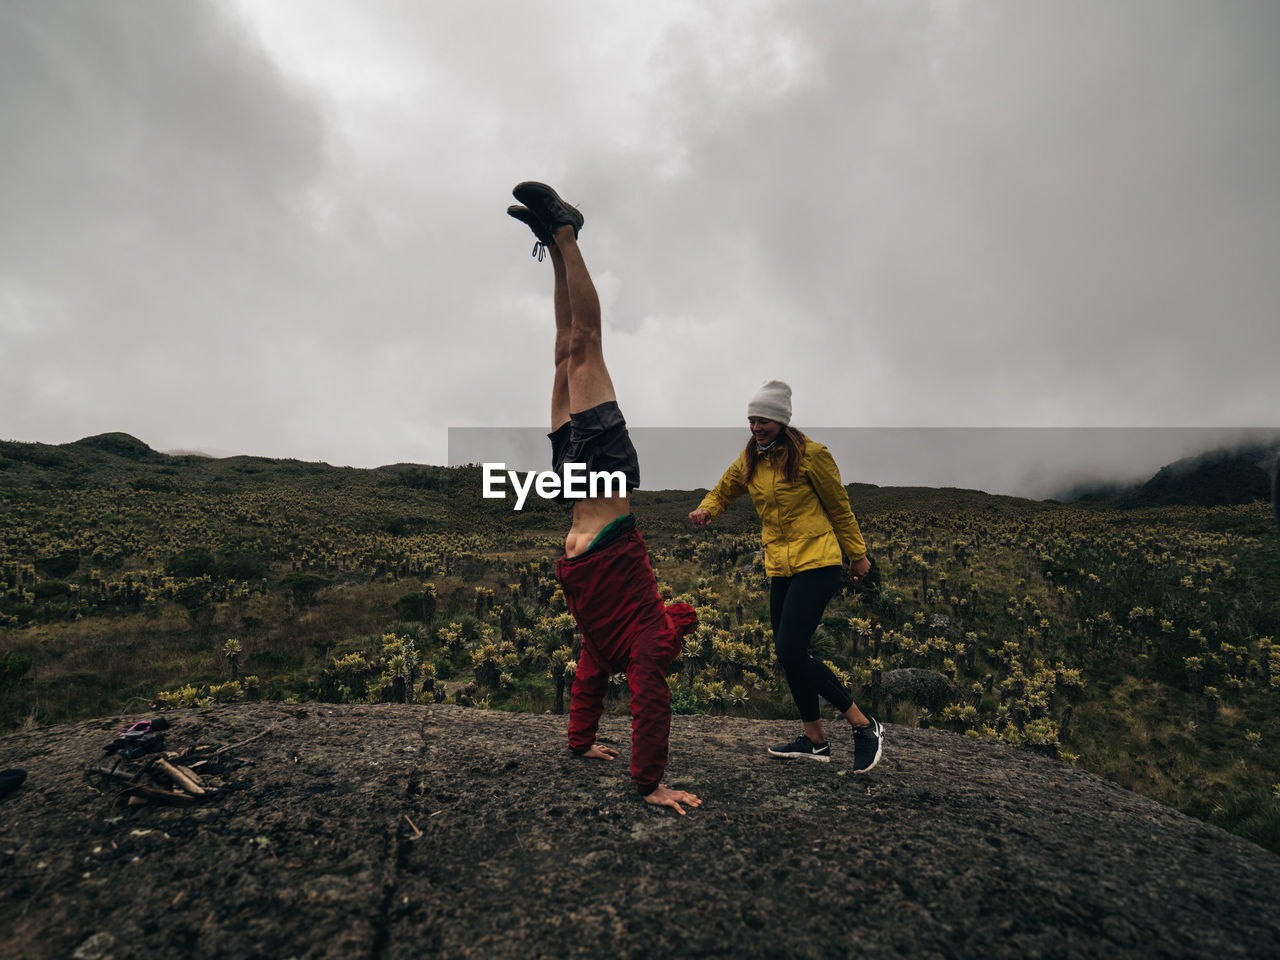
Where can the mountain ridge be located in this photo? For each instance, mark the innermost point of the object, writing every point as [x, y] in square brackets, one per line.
[1221, 476]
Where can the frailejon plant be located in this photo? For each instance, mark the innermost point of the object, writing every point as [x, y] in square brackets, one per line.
[232, 650]
[1125, 600]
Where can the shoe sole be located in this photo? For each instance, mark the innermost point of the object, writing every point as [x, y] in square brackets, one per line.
[531, 191]
[802, 756]
[526, 216]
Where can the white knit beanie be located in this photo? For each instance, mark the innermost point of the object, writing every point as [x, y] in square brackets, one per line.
[772, 401]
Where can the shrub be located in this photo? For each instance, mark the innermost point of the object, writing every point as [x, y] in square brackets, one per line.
[47, 589]
[190, 563]
[13, 667]
[58, 566]
[682, 698]
[196, 596]
[305, 586]
[1252, 814]
[187, 696]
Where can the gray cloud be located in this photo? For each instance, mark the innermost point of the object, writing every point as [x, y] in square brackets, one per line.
[1049, 214]
[156, 164]
[280, 230]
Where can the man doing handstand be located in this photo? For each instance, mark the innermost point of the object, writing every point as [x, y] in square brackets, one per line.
[605, 573]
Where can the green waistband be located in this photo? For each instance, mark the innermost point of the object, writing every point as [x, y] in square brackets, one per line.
[612, 524]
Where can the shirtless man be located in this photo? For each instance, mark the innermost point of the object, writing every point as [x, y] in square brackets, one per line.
[605, 573]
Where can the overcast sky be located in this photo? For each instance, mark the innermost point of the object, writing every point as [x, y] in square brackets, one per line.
[278, 228]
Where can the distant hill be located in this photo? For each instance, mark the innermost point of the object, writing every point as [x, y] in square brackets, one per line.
[119, 461]
[1217, 478]
[120, 444]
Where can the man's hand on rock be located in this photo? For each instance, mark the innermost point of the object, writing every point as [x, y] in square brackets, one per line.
[664, 796]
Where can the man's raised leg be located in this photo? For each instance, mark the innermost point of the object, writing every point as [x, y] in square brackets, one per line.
[564, 324]
[589, 381]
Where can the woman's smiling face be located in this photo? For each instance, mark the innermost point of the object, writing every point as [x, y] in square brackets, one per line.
[764, 430]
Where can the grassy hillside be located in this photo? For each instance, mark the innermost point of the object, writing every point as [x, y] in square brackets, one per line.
[1138, 644]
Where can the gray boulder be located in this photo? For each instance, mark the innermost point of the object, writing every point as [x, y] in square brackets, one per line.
[925, 688]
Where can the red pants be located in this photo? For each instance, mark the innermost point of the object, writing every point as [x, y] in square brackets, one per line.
[625, 626]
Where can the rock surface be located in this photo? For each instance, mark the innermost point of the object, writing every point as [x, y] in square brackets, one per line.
[950, 848]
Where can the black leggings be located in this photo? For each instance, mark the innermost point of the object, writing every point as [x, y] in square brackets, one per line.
[795, 607]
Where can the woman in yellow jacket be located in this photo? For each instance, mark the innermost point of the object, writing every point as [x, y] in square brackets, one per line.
[806, 524]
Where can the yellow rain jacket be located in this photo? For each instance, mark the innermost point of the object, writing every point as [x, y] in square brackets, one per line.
[804, 525]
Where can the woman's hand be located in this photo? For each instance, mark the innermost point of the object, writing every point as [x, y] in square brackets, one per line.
[700, 518]
[858, 569]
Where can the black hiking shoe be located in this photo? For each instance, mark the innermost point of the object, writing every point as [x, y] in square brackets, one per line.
[11, 780]
[525, 216]
[546, 206]
[868, 745]
[804, 748]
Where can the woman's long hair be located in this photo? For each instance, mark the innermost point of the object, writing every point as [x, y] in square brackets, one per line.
[792, 441]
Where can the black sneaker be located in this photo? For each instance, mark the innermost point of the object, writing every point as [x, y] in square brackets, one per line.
[868, 745]
[804, 748]
[545, 205]
[525, 216]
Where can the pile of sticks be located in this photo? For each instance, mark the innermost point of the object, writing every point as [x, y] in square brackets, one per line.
[174, 778]
[166, 778]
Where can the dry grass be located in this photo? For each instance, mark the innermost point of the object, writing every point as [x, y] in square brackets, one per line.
[100, 666]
